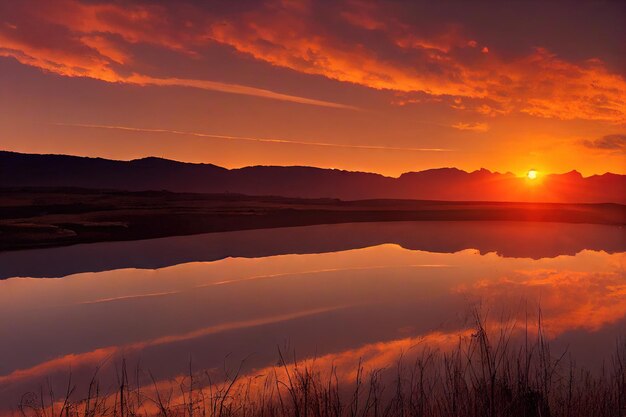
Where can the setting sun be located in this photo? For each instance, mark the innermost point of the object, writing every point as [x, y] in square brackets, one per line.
[334, 163]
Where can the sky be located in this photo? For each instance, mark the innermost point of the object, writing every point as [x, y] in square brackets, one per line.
[389, 86]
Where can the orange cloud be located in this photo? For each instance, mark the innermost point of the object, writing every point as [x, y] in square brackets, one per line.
[96, 40]
[568, 299]
[343, 364]
[97, 356]
[81, 45]
[540, 84]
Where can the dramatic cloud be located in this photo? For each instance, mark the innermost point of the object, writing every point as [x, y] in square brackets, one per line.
[445, 64]
[367, 44]
[615, 142]
[79, 40]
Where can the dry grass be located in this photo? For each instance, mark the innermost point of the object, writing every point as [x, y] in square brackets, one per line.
[489, 374]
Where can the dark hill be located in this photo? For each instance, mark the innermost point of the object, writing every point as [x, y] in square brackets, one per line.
[19, 170]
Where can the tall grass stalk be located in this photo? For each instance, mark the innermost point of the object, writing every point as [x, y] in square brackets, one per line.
[488, 374]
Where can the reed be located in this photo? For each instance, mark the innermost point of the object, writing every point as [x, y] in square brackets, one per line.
[488, 374]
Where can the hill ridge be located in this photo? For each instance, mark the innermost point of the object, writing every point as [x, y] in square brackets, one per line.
[443, 184]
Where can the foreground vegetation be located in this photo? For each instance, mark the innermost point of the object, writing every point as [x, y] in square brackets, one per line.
[489, 373]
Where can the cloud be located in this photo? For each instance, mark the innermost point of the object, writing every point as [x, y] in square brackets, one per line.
[569, 299]
[93, 358]
[443, 64]
[253, 139]
[367, 44]
[616, 142]
[80, 40]
[473, 126]
[230, 88]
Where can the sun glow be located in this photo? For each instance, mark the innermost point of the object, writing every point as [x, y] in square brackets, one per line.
[532, 174]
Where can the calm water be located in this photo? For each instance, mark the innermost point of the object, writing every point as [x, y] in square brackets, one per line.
[336, 292]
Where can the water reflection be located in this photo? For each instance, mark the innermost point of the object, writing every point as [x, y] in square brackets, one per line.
[339, 306]
[508, 239]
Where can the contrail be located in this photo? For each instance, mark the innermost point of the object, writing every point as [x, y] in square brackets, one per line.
[232, 89]
[252, 139]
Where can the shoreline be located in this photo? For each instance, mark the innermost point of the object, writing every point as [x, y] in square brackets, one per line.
[52, 217]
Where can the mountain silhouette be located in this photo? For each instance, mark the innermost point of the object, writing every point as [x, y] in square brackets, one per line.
[452, 184]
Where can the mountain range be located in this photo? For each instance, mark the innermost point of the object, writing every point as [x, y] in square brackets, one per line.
[451, 184]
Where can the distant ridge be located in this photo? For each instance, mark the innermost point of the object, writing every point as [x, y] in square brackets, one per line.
[452, 184]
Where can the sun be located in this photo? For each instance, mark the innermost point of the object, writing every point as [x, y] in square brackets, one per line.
[532, 174]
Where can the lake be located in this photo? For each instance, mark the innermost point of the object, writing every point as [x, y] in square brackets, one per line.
[341, 294]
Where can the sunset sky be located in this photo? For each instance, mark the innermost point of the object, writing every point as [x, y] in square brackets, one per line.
[386, 86]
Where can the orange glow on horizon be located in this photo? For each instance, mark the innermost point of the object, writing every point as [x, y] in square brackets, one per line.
[359, 106]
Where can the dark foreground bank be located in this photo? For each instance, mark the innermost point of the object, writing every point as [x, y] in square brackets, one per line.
[43, 217]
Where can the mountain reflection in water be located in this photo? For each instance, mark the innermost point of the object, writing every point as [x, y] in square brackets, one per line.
[337, 292]
[508, 239]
